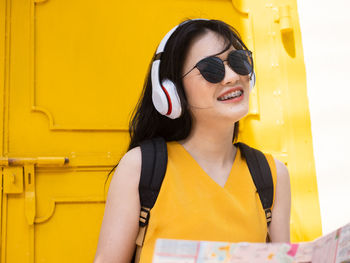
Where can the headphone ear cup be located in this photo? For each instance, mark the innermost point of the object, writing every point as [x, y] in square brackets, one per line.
[159, 98]
[252, 81]
[174, 109]
[160, 101]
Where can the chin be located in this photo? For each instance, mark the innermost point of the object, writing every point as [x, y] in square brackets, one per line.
[228, 115]
[231, 118]
[236, 113]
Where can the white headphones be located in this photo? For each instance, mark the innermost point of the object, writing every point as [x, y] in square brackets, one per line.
[164, 94]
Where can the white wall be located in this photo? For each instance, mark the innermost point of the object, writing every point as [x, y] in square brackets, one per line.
[325, 28]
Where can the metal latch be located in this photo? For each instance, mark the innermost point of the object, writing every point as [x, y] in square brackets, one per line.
[38, 161]
[19, 176]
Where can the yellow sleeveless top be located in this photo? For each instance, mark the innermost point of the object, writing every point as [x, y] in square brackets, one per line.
[192, 206]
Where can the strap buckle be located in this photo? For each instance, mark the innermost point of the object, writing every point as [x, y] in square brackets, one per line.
[268, 215]
[144, 216]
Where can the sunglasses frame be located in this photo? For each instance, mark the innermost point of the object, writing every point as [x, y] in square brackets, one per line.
[250, 57]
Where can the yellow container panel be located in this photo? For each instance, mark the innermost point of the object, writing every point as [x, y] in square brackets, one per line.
[72, 72]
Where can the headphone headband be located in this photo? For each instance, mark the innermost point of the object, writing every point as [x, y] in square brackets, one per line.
[165, 39]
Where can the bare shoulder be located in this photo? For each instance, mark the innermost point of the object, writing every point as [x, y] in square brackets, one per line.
[125, 181]
[129, 168]
[133, 155]
[132, 158]
[283, 180]
[131, 161]
[282, 170]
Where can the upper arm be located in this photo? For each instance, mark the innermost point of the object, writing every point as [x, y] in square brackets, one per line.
[280, 225]
[120, 223]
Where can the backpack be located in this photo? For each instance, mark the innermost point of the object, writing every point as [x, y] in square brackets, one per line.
[154, 162]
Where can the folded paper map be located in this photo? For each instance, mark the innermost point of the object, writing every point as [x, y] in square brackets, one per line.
[334, 247]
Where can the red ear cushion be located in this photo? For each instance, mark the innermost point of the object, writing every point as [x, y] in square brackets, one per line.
[170, 107]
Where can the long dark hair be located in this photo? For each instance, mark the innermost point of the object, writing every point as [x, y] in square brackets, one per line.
[146, 122]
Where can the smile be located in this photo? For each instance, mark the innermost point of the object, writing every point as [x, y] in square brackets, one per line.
[231, 95]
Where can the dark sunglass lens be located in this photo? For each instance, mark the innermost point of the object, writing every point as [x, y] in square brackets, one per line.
[212, 69]
[240, 62]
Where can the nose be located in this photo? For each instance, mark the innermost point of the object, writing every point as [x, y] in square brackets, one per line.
[230, 76]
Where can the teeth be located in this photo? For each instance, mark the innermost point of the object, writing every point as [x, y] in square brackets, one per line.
[231, 95]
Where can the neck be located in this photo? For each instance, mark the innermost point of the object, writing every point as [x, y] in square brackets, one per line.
[212, 145]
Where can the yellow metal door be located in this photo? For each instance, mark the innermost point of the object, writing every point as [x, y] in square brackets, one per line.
[65, 123]
[72, 72]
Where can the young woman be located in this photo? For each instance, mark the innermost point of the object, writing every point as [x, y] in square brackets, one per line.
[207, 192]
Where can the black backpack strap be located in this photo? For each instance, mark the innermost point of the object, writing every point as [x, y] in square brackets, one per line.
[153, 167]
[261, 173]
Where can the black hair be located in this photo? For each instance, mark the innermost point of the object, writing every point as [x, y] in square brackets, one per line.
[146, 122]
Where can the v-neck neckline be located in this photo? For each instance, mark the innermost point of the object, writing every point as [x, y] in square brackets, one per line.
[233, 167]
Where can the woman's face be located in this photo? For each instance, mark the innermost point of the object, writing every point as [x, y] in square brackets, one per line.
[207, 101]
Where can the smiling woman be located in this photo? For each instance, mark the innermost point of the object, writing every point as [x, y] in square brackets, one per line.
[196, 92]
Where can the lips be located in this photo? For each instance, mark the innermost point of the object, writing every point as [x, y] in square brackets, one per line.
[231, 94]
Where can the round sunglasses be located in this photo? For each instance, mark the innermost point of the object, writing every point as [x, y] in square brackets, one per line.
[213, 69]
